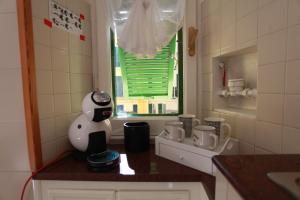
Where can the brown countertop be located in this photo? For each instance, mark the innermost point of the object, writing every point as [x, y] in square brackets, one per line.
[134, 167]
[248, 174]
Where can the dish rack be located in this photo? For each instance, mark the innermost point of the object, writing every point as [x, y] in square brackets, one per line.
[192, 156]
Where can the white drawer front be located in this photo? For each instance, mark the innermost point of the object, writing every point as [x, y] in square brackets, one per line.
[153, 195]
[68, 194]
[190, 159]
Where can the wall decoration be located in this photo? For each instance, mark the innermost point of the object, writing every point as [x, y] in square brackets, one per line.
[65, 19]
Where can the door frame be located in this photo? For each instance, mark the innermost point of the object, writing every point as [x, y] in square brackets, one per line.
[25, 27]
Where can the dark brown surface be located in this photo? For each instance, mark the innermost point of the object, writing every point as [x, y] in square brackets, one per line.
[248, 174]
[134, 167]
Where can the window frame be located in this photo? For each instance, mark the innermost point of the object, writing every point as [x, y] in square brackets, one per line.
[180, 79]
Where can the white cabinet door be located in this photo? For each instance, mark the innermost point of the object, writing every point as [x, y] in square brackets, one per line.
[221, 186]
[232, 193]
[64, 194]
[153, 195]
[224, 190]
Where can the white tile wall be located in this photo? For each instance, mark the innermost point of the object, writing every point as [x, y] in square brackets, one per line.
[42, 56]
[245, 7]
[259, 150]
[268, 136]
[11, 183]
[228, 36]
[40, 8]
[228, 13]
[262, 3]
[292, 111]
[41, 33]
[44, 81]
[207, 79]
[274, 26]
[13, 142]
[76, 99]
[270, 108]
[45, 105]
[62, 123]
[60, 60]
[213, 23]
[293, 12]
[9, 54]
[247, 28]
[64, 75]
[59, 39]
[271, 78]
[11, 94]
[245, 128]
[61, 82]
[271, 22]
[291, 138]
[14, 160]
[47, 129]
[293, 43]
[62, 104]
[292, 77]
[272, 48]
[7, 6]
[245, 148]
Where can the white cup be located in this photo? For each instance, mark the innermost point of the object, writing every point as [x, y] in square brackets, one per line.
[220, 125]
[173, 131]
[204, 136]
[189, 121]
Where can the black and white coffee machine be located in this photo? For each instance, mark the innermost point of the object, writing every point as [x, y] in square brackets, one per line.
[90, 132]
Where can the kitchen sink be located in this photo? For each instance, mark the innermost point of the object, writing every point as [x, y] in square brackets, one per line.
[290, 181]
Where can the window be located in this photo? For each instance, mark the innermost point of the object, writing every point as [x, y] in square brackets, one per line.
[148, 86]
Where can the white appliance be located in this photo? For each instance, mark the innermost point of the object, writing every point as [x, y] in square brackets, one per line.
[90, 131]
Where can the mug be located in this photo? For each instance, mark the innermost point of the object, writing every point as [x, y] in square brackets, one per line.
[220, 125]
[189, 122]
[204, 136]
[174, 131]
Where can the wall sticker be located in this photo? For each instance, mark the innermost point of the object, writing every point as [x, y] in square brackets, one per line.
[65, 19]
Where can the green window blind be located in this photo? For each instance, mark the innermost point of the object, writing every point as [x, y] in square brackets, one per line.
[143, 77]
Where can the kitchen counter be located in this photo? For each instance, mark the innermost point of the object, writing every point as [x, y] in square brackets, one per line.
[134, 167]
[248, 174]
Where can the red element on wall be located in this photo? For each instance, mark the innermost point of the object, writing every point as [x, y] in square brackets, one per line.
[82, 37]
[48, 23]
[224, 77]
[82, 16]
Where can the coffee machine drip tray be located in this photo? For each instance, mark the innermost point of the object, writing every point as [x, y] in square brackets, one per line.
[105, 161]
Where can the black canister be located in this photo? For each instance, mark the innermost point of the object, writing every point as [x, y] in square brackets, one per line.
[136, 136]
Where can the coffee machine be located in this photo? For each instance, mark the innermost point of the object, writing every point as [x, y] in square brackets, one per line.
[90, 132]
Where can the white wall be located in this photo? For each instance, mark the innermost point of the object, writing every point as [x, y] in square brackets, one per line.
[274, 27]
[14, 162]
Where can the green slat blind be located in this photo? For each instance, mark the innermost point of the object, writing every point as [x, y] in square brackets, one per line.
[148, 77]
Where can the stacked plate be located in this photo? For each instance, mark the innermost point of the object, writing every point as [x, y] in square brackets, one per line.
[236, 85]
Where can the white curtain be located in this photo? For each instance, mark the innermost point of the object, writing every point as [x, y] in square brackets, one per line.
[143, 27]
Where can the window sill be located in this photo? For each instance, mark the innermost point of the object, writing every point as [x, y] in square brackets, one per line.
[144, 118]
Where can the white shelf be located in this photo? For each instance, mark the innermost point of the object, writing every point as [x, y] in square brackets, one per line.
[246, 93]
[246, 112]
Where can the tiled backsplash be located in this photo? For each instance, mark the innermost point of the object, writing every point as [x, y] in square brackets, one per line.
[64, 74]
[274, 27]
